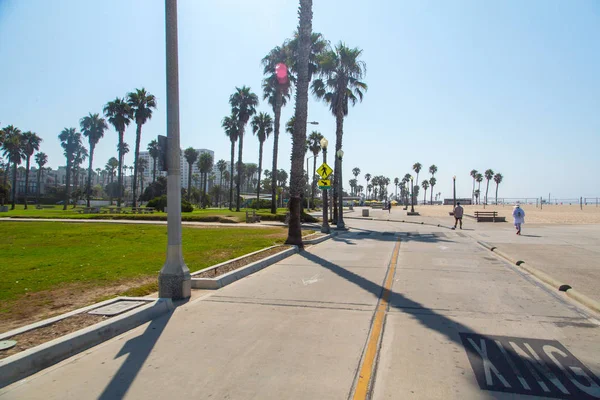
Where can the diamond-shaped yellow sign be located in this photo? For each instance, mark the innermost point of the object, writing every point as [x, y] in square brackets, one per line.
[324, 171]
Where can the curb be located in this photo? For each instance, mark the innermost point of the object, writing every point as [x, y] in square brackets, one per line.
[230, 277]
[28, 362]
[544, 277]
[319, 239]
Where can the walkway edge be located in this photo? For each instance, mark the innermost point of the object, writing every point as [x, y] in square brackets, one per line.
[544, 277]
[28, 362]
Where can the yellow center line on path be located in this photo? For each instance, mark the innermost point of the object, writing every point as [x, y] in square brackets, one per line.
[366, 370]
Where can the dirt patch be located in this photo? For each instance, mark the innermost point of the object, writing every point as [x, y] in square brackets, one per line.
[46, 304]
[45, 334]
[232, 266]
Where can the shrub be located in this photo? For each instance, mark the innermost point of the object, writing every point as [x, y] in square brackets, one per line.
[262, 203]
[186, 206]
[159, 203]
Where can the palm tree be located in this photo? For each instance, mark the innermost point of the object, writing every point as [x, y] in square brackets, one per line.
[243, 104]
[81, 154]
[360, 189]
[498, 179]
[249, 172]
[433, 170]
[479, 179]
[31, 143]
[231, 128]
[154, 151]
[473, 175]
[489, 174]
[356, 172]
[396, 183]
[425, 185]
[93, 127]
[222, 167]
[205, 164]
[417, 168]
[142, 167]
[262, 127]
[191, 156]
[432, 182]
[41, 159]
[119, 114]
[13, 151]
[141, 103]
[112, 166]
[338, 85]
[277, 93]
[314, 145]
[70, 142]
[476, 193]
[369, 189]
[368, 178]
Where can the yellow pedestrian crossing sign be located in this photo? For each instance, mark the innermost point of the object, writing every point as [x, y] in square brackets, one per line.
[324, 171]
[324, 184]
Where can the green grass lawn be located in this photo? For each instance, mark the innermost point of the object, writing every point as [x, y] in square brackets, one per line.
[206, 215]
[39, 256]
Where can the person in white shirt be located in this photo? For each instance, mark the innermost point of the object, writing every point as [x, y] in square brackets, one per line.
[519, 218]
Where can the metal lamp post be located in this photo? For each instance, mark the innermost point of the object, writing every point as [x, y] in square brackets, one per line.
[338, 177]
[412, 195]
[174, 280]
[325, 227]
[454, 191]
[310, 181]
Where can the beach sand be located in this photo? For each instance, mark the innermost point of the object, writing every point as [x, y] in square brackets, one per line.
[549, 214]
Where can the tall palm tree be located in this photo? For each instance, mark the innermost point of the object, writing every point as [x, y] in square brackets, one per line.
[70, 142]
[489, 174]
[433, 170]
[243, 104]
[41, 159]
[31, 143]
[396, 183]
[277, 93]
[119, 114]
[339, 84]
[425, 185]
[205, 164]
[369, 189]
[80, 156]
[479, 179]
[302, 57]
[222, 167]
[13, 151]
[368, 178]
[262, 127]
[498, 179]
[142, 103]
[432, 182]
[112, 166]
[191, 156]
[473, 175]
[154, 151]
[314, 145]
[231, 128]
[356, 172]
[93, 127]
[417, 168]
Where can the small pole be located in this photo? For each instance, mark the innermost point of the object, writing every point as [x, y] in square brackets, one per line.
[581, 203]
[541, 206]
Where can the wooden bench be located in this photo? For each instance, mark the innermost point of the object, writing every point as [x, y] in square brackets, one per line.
[88, 210]
[251, 217]
[377, 205]
[488, 216]
[142, 210]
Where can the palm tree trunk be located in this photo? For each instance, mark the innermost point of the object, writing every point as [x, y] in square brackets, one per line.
[189, 193]
[231, 176]
[260, 155]
[120, 171]
[339, 131]
[239, 169]
[425, 197]
[277, 112]
[473, 191]
[205, 188]
[39, 181]
[431, 197]
[89, 184]
[14, 188]
[26, 181]
[154, 169]
[486, 191]
[497, 193]
[138, 137]
[68, 184]
[314, 181]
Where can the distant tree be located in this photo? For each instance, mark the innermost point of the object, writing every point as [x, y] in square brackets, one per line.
[262, 127]
[92, 127]
[41, 159]
[489, 174]
[314, 145]
[425, 185]
[498, 179]
[190, 155]
[119, 114]
[368, 178]
[474, 173]
[154, 151]
[31, 143]
[479, 179]
[417, 168]
[432, 182]
[232, 131]
[205, 164]
[70, 141]
[13, 151]
[222, 167]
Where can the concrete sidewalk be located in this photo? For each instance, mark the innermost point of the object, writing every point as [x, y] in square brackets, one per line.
[301, 329]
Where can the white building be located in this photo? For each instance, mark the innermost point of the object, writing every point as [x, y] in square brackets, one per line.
[183, 165]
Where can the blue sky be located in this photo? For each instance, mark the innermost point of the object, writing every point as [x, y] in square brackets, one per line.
[508, 85]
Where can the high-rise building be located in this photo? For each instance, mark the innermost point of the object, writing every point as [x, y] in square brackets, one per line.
[183, 164]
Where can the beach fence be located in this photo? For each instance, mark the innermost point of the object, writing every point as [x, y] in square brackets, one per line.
[551, 201]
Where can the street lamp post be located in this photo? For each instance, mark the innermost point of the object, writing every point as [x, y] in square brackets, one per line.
[174, 280]
[338, 177]
[310, 181]
[454, 191]
[412, 195]
[325, 227]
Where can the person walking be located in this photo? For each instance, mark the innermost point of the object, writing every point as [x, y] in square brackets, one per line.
[458, 214]
[389, 206]
[519, 218]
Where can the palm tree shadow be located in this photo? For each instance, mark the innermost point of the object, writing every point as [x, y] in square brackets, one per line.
[137, 350]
